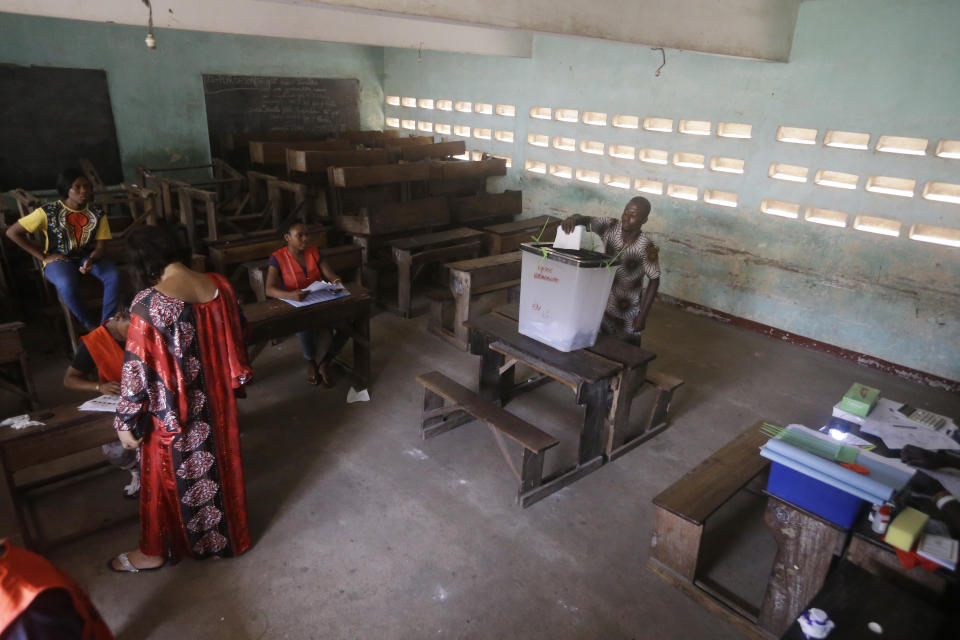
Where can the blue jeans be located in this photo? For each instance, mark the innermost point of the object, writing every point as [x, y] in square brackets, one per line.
[65, 276]
[308, 345]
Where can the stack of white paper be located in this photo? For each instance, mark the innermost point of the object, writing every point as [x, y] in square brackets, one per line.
[103, 403]
[896, 430]
[319, 292]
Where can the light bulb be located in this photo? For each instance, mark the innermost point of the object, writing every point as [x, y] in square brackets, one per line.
[150, 41]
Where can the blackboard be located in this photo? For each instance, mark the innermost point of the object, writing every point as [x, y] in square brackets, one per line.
[50, 117]
[318, 107]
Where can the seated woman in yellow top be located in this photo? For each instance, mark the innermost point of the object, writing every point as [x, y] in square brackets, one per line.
[291, 269]
[74, 231]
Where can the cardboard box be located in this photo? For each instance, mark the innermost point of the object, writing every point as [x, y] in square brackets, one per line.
[859, 400]
[830, 503]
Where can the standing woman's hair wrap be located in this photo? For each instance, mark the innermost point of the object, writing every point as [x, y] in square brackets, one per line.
[151, 248]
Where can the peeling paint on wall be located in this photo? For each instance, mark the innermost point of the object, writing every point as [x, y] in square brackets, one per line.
[892, 298]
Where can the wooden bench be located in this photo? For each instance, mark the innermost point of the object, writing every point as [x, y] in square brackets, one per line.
[318, 161]
[412, 254]
[310, 168]
[681, 510]
[274, 319]
[366, 138]
[274, 152]
[236, 251]
[438, 151]
[464, 406]
[144, 207]
[385, 174]
[226, 182]
[506, 237]
[486, 208]
[345, 260]
[112, 199]
[621, 435]
[399, 143]
[289, 200]
[806, 544]
[666, 384]
[476, 287]
[65, 431]
[395, 217]
[383, 198]
[235, 147]
[463, 177]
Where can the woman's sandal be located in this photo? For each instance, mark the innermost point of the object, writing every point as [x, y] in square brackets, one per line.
[127, 567]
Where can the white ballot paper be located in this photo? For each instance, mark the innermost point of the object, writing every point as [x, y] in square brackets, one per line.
[357, 396]
[897, 430]
[577, 239]
[104, 403]
[319, 292]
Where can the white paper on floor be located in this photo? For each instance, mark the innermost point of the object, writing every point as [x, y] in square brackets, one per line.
[20, 422]
[357, 396]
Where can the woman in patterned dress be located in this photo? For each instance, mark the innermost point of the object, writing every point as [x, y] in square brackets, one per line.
[629, 302]
[185, 359]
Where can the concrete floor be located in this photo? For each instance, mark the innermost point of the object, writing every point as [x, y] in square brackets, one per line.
[362, 530]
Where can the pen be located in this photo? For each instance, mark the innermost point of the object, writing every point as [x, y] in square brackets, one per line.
[902, 426]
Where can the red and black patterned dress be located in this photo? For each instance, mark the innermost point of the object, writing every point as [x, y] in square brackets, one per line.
[182, 365]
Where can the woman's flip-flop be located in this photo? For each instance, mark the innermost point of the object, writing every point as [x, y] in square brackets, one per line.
[323, 376]
[127, 566]
[313, 376]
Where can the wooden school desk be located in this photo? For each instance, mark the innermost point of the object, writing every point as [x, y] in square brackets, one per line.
[272, 319]
[65, 431]
[622, 434]
[807, 544]
[592, 377]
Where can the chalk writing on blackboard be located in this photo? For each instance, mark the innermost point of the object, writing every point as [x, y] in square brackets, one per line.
[315, 106]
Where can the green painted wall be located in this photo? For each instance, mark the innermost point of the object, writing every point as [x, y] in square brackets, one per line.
[157, 96]
[857, 65]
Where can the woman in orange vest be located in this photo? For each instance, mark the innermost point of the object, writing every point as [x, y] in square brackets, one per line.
[39, 602]
[291, 269]
[101, 350]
